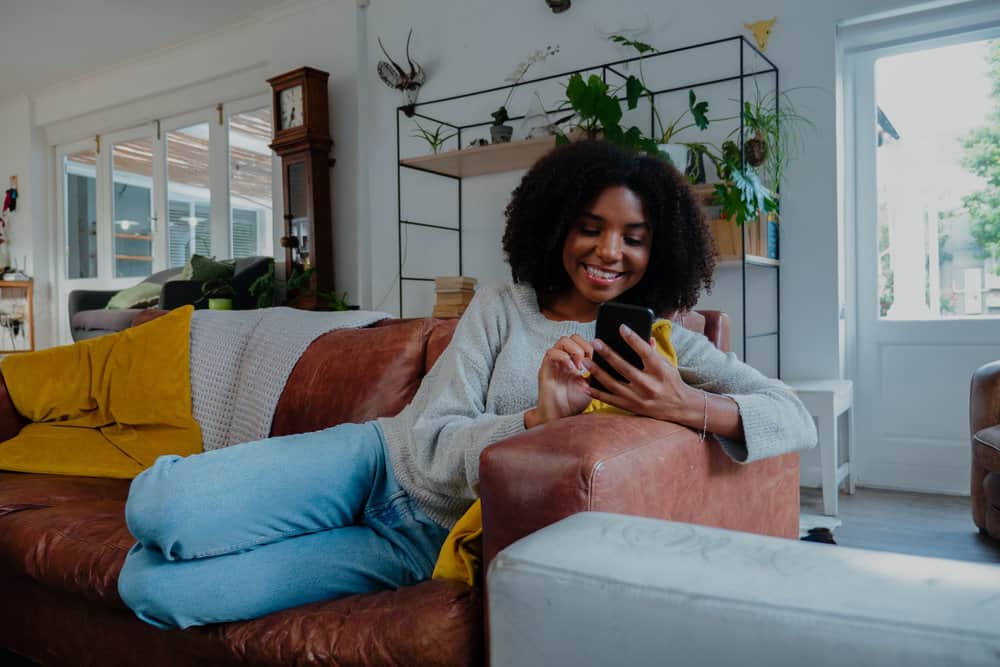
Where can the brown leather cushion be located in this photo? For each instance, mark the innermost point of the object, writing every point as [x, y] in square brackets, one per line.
[77, 547]
[18, 488]
[432, 623]
[353, 375]
[438, 340]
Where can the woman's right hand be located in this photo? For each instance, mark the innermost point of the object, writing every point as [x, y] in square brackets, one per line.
[562, 391]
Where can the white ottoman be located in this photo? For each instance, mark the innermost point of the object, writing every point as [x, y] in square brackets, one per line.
[606, 589]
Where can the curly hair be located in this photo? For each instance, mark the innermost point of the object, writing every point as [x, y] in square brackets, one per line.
[561, 186]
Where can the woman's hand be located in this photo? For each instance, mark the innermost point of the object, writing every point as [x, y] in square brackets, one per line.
[656, 390]
[562, 391]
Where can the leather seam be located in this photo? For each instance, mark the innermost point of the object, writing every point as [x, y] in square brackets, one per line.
[599, 466]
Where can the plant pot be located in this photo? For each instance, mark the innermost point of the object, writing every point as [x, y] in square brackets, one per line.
[501, 134]
[220, 304]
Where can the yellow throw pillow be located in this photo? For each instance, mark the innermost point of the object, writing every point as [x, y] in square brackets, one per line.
[104, 407]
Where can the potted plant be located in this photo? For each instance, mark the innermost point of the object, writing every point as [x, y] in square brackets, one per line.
[500, 132]
[598, 113]
[687, 157]
[434, 139]
[269, 290]
[776, 127]
[219, 293]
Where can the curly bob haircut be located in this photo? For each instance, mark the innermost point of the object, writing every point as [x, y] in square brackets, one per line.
[561, 186]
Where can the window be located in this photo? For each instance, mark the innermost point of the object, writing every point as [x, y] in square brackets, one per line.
[250, 202]
[132, 208]
[938, 202]
[80, 214]
[146, 198]
[188, 193]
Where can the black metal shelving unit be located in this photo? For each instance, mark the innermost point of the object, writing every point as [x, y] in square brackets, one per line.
[424, 111]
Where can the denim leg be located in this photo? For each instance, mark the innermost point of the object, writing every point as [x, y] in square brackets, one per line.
[232, 499]
[390, 544]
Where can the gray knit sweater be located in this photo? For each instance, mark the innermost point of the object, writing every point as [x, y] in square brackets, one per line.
[479, 389]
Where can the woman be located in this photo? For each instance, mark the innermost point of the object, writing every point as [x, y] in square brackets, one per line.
[363, 507]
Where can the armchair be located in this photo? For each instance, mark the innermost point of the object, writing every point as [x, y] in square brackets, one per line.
[984, 428]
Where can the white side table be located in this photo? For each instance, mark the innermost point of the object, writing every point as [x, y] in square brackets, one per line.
[826, 400]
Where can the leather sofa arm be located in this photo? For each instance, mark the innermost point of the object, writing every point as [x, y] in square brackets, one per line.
[177, 293]
[984, 398]
[629, 465]
[11, 420]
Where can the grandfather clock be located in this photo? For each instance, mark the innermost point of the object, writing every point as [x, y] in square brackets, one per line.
[302, 141]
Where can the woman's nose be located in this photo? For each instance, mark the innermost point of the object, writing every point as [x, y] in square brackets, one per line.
[609, 247]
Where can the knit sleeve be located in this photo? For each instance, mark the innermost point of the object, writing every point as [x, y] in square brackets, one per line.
[774, 419]
[451, 424]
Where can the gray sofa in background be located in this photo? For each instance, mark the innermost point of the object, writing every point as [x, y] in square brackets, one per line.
[89, 318]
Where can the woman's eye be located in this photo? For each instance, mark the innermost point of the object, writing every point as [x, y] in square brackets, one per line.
[632, 241]
[589, 232]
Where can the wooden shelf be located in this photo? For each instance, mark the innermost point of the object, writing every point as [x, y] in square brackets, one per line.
[134, 258]
[755, 260]
[16, 284]
[136, 237]
[480, 160]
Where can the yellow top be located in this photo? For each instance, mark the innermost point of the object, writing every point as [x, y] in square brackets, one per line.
[104, 407]
[462, 552]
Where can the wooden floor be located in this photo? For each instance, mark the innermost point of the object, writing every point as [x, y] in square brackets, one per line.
[912, 523]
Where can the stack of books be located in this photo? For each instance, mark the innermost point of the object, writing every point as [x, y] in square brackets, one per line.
[453, 295]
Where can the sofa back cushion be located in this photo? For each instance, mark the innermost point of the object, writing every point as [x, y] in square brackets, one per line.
[354, 375]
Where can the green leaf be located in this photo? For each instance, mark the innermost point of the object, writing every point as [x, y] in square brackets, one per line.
[700, 113]
[608, 111]
[633, 91]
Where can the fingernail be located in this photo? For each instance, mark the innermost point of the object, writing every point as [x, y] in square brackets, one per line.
[586, 364]
[598, 345]
[625, 331]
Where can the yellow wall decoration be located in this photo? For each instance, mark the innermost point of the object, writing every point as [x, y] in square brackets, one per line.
[761, 31]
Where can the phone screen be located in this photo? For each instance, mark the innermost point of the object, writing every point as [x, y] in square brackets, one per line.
[610, 316]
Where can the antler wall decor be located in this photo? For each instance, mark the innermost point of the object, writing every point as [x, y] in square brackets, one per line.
[396, 77]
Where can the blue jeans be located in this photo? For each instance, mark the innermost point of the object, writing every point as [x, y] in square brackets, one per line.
[237, 533]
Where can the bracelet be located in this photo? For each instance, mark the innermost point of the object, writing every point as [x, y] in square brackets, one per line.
[704, 426]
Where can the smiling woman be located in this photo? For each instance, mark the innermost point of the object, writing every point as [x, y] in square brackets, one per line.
[616, 226]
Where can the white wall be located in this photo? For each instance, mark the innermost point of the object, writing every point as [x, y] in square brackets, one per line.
[27, 231]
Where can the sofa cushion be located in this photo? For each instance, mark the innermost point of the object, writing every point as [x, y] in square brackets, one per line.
[138, 296]
[432, 623]
[20, 488]
[108, 320]
[353, 375]
[76, 547]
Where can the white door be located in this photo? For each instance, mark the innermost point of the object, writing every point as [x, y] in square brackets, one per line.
[927, 269]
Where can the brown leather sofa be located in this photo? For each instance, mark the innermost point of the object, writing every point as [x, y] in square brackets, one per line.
[984, 427]
[63, 539]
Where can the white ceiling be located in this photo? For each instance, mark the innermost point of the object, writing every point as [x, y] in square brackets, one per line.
[44, 42]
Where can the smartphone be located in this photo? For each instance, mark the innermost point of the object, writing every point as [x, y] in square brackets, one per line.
[610, 316]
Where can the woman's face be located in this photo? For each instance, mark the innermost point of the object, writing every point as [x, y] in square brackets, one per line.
[606, 253]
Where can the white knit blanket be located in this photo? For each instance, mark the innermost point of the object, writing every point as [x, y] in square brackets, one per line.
[240, 361]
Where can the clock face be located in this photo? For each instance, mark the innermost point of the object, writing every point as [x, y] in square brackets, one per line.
[290, 107]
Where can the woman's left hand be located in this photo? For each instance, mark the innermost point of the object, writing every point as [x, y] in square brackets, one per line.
[656, 390]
